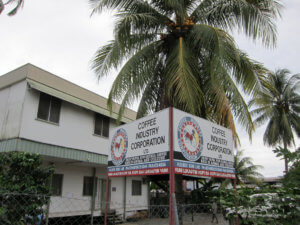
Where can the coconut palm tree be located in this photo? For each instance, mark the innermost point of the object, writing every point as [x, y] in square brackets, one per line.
[179, 53]
[18, 5]
[245, 171]
[278, 104]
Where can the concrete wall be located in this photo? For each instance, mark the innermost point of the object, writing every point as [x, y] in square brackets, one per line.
[11, 103]
[75, 128]
[72, 202]
[133, 203]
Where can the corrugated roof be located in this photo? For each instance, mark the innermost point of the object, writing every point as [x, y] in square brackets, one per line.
[61, 88]
[52, 151]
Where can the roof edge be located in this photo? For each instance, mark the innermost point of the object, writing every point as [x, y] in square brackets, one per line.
[14, 76]
[32, 72]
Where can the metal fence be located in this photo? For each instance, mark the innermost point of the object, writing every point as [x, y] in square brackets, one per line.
[21, 209]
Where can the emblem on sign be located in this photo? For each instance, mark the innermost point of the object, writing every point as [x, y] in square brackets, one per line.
[119, 146]
[190, 138]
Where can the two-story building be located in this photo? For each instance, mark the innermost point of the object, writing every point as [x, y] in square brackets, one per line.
[69, 127]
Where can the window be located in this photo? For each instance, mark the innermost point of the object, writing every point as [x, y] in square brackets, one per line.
[101, 125]
[49, 108]
[88, 186]
[136, 187]
[56, 187]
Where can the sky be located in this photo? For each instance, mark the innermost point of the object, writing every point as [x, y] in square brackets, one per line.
[61, 37]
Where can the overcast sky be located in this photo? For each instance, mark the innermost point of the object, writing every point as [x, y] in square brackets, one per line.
[61, 37]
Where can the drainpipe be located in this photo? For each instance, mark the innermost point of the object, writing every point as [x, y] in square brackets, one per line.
[93, 196]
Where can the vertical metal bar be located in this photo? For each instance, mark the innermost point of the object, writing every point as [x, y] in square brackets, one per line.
[124, 202]
[106, 199]
[49, 200]
[171, 172]
[93, 196]
[175, 210]
[149, 197]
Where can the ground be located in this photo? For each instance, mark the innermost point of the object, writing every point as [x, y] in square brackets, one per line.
[201, 218]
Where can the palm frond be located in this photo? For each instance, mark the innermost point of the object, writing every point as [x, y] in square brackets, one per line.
[181, 78]
[18, 5]
[256, 19]
[134, 76]
[99, 5]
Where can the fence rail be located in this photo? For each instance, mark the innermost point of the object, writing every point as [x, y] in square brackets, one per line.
[24, 209]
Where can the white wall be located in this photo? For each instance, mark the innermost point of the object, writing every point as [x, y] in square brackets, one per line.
[133, 203]
[72, 201]
[11, 102]
[75, 128]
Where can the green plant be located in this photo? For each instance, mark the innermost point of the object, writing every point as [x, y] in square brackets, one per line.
[292, 178]
[179, 53]
[245, 171]
[24, 187]
[262, 206]
[278, 104]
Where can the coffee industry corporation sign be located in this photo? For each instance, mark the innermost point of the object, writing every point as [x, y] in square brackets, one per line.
[201, 148]
[142, 147]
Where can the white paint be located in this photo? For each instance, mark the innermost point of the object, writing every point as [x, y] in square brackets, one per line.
[208, 129]
[11, 102]
[140, 147]
[72, 202]
[75, 128]
[142, 130]
[18, 118]
[133, 203]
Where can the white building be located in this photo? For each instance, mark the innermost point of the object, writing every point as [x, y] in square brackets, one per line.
[69, 126]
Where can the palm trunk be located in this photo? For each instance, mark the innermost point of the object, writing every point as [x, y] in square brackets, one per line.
[164, 103]
[285, 159]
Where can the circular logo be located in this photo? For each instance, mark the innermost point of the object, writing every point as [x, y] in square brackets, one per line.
[190, 138]
[119, 146]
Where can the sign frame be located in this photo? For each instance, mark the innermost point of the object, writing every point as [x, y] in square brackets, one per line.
[172, 166]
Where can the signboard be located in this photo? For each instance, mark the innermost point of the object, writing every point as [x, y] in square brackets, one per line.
[142, 147]
[201, 148]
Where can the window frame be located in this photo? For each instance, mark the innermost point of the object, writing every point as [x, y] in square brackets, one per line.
[61, 184]
[50, 108]
[98, 117]
[134, 190]
[94, 185]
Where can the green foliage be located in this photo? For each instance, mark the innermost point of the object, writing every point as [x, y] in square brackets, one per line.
[262, 206]
[203, 196]
[245, 170]
[24, 187]
[290, 157]
[278, 104]
[179, 53]
[292, 178]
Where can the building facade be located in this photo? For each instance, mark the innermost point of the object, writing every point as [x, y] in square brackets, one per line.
[69, 127]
